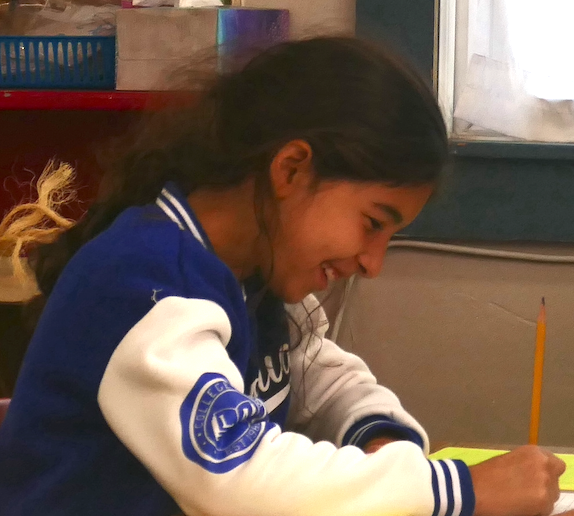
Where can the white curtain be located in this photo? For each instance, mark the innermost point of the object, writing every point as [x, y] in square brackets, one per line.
[518, 69]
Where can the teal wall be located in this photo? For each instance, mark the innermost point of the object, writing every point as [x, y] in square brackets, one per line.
[494, 192]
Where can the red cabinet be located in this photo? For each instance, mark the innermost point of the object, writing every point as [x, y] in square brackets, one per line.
[72, 126]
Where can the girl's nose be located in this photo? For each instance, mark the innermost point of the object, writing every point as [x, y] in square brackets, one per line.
[371, 261]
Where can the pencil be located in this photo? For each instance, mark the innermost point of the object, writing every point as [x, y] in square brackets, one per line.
[538, 370]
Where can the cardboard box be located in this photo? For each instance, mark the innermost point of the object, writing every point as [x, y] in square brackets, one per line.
[153, 44]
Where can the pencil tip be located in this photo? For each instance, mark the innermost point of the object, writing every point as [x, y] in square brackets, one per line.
[543, 302]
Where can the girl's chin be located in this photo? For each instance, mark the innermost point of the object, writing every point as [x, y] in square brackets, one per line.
[294, 297]
[295, 291]
[290, 294]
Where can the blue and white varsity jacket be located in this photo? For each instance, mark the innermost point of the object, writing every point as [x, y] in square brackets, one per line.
[152, 386]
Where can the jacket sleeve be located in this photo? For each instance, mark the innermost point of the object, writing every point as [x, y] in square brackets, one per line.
[335, 397]
[175, 399]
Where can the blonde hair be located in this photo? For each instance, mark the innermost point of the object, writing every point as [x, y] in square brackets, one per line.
[30, 224]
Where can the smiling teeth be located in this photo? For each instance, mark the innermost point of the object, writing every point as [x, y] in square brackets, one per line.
[330, 272]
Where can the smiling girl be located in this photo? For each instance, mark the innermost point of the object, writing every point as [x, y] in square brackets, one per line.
[180, 362]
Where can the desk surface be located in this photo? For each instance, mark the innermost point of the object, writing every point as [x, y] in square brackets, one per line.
[439, 445]
[474, 454]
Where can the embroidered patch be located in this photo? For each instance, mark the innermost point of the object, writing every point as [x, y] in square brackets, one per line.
[221, 426]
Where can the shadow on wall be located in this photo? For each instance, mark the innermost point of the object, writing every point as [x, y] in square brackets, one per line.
[454, 337]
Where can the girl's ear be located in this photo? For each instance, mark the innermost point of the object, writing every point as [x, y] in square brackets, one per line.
[292, 169]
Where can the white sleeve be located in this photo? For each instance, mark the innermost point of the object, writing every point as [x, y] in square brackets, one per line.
[333, 391]
[175, 399]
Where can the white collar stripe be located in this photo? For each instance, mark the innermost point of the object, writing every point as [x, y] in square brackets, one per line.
[168, 200]
[169, 213]
[183, 213]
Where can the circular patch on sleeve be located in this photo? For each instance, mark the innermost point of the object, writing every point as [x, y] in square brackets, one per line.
[221, 427]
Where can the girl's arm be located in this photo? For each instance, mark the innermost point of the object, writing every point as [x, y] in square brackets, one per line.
[335, 396]
[175, 399]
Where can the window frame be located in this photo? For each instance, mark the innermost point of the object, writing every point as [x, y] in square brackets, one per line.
[448, 14]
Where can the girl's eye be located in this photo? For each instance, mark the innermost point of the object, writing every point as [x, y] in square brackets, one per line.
[376, 225]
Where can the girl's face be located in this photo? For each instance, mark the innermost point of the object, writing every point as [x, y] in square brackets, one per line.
[334, 229]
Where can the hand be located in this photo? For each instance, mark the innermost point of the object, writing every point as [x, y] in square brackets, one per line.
[523, 482]
[378, 442]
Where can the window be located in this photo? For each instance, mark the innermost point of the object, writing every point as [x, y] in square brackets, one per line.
[505, 70]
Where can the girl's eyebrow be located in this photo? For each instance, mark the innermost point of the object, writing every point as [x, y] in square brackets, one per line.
[389, 210]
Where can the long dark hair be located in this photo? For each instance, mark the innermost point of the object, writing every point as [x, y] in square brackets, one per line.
[365, 113]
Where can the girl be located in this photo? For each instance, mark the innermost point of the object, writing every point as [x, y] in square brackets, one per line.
[179, 363]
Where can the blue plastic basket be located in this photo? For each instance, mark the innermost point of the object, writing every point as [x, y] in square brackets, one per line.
[60, 62]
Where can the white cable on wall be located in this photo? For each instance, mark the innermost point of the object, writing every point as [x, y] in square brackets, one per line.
[479, 251]
[456, 249]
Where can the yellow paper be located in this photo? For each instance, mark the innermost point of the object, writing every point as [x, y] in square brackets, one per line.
[472, 456]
